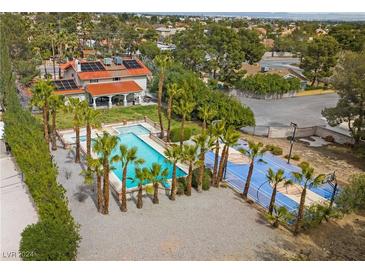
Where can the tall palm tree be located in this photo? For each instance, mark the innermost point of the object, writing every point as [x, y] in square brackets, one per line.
[256, 150]
[76, 107]
[172, 91]
[162, 61]
[104, 146]
[216, 131]
[126, 156]
[205, 143]
[157, 176]
[96, 167]
[274, 178]
[307, 179]
[56, 102]
[190, 155]
[206, 113]
[92, 119]
[230, 138]
[184, 108]
[41, 92]
[142, 174]
[173, 154]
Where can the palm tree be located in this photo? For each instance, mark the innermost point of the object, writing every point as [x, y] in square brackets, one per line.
[56, 102]
[184, 108]
[206, 113]
[92, 119]
[256, 150]
[306, 178]
[189, 153]
[96, 167]
[157, 176]
[41, 92]
[205, 143]
[104, 146]
[230, 138]
[126, 156]
[216, 131]
[279, 215]
[142, 174]
[76, 107]
[162, 61]
[172, 91]
[173, 154]
[274, 179]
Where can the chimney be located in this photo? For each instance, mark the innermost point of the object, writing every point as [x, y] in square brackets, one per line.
[78, 65]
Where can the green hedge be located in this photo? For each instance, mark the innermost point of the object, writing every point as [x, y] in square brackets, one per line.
[175, 134]
[268, 84]
[207, 178]
[25, 137]
[276, 150]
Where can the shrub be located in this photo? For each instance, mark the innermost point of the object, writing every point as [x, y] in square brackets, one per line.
[207, 178]
[329, 138]
[316, 213]
[276, 150]
[175, 134]
[181, 186]
[294, 157]
[352, 196]
[49, 240]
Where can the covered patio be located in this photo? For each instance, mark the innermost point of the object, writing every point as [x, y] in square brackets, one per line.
[114, 93]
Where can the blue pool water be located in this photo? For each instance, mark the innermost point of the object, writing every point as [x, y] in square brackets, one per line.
[144, 151]
[137, 129]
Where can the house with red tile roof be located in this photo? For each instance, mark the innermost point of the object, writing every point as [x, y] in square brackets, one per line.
[109, 81]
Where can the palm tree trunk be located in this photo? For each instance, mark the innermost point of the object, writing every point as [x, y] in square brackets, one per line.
[100, 195]
[45, 124]
[173, 185]
[201, 171]
[215, 167]
[106, 186]
[159, 103]
[123, 197]
[169, 110]
[182, 131]
[77, 158]
[272, 201]
[88, 140]
[248, 180]
[139, 197]
[221, 165]
[189, 179]
[300, 211]
[53, 131]
[155, 194]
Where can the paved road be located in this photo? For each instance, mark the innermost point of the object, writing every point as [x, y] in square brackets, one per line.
[17, 210]
[305, 111]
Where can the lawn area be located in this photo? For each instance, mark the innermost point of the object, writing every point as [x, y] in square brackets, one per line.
[118, 114]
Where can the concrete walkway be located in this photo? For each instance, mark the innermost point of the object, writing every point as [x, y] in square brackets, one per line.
[17, 210]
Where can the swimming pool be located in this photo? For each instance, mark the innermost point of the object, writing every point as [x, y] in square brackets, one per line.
[136, 129]
[145, 151]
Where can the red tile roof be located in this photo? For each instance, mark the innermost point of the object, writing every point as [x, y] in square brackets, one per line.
[113, 88]
[95, 75]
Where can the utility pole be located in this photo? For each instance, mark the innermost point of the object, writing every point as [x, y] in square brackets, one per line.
[292, 140]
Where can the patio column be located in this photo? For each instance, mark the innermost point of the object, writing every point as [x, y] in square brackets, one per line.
[125, 103]
[139, 99]
[110, 101]
[94, 102]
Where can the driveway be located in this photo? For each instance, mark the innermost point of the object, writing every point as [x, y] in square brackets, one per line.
[305, 111]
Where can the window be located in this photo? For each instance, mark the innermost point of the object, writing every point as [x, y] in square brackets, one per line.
[72, 75]
[116, 79]
[94, 80]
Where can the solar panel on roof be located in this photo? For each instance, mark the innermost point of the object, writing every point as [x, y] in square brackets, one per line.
[131, 64]
[91, 66]
[65, 84]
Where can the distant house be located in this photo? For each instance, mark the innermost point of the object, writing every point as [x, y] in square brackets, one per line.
[286, 73]
[108, 81]
[165, 32]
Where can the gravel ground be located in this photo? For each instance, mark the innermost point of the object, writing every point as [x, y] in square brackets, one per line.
[213, 225]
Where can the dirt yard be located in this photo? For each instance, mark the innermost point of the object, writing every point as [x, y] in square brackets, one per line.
[325, 159]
